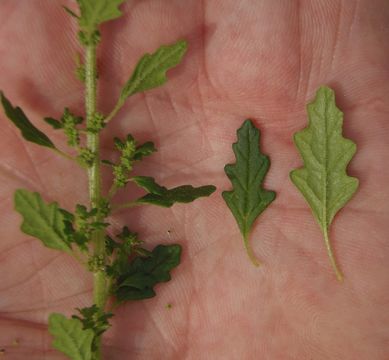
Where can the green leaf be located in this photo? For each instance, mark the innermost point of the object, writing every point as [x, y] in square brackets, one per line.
[161, 196]
[150, 72]
[41, 220]
[148, 183]
[70, 338]
[28, 130]
[143, 150]
[55, 124]
[248, 199]
[323, 180]
[95, 12]
[143, 273]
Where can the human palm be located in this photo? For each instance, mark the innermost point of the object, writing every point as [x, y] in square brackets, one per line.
[258, 59]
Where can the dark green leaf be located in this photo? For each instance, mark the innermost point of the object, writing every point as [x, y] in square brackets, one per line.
[248, 199]
[150, 71]
[323, 180]
[142, 274]
[55, 124]
[41, 220]
[161, 196]
[70, 338]
[148, 183]
[28, 130]
[143, 150]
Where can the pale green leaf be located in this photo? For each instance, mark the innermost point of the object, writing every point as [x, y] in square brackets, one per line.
[28, 130]
[323, 180]
[248, 199]
[41, 220]
[95, 12]
[150, 71]
[70, 338]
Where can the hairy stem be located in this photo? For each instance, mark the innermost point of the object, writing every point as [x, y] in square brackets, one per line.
[94, 177]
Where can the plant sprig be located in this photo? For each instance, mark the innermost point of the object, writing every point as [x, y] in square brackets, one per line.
[122, 267]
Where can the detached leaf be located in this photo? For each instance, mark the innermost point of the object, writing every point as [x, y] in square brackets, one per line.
[142, 274]
[161, 196]
[70, 338]
[41, 220]
[28, 130]
[323, 180]
[150, 72]
[248, 199]
[96, 12]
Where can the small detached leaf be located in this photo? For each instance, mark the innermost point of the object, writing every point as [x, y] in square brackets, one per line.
[28, 130]
[248, 199]
[323, 180]
[150, 72]
[161, 196]
[70, 338]
[143, 273]
[44, 221]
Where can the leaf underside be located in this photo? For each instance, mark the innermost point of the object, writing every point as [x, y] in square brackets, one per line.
[161, 196]
[150, 72]
[20, 120]
[248, 199]
[323, 180]
[142, 274]
[70, 338]
[41, 220]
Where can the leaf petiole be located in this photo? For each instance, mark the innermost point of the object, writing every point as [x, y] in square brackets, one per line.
[338, 272]
[250, 251]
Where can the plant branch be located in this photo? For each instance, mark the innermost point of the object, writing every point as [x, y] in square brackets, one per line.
[94, 178]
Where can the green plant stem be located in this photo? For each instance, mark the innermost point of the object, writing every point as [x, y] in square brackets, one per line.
[100, 293]
[250, 251]
[331, 255]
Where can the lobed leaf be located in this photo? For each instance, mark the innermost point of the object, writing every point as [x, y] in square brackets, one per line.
[44, 221]
[323, 180]
[70, 338]
[28, 130]
[161, 196]
[248, 199]
[143, 273]
[95, 12]
[150, 72]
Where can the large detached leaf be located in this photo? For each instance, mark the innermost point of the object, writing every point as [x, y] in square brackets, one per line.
[70, 338]
[96, 12]
[248, 199]
[28, 130]
[150, 71]
[161, 196]
[323, 180]
[41, 220]
[142, 274]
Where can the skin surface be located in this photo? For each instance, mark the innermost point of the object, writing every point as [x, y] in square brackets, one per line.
[261, 59]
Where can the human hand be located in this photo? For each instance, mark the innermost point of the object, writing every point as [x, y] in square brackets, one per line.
[258, 59]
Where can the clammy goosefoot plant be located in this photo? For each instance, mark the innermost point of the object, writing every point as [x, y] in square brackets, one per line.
[323, 180]
[123, 269]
